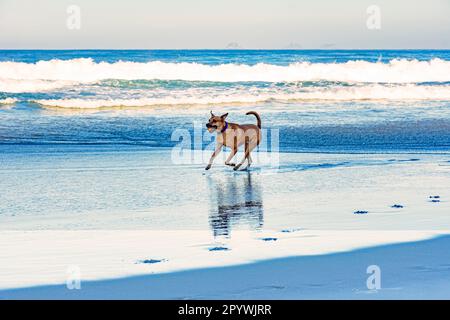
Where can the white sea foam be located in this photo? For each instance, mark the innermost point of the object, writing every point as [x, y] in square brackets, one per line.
[8, 101]
[366, 92]
[86, 71]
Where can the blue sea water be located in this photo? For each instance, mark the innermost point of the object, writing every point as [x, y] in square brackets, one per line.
[278, 57]
[320, 100]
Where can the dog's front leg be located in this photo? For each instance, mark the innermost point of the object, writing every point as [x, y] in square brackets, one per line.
[234, 150]
[232, 154]
[215, 153]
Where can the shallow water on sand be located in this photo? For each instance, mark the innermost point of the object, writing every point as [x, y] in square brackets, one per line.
[145, 190]
[106, 212]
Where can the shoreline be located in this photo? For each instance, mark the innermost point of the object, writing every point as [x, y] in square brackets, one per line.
[128, 212]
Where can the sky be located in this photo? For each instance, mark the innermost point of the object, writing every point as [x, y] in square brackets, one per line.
[219, 24]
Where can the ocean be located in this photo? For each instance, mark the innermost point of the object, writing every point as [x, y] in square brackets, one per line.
[321, 100]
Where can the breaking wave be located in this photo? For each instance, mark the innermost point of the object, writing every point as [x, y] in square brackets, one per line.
[366, 92]
[52, 74]
[8, 101]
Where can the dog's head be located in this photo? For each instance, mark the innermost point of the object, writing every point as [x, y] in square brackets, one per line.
[216, 123]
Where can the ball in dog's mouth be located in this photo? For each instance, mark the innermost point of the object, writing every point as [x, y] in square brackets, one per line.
[211, 128]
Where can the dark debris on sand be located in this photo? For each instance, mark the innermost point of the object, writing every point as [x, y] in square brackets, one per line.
[361, 212]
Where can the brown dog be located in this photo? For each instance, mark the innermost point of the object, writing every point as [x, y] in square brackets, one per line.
[233, 135]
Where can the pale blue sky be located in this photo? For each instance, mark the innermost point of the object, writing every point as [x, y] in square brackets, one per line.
[251, 24]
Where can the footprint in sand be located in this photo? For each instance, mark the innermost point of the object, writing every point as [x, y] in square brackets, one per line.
[290, 230]
[218, 249]
[151, 261]
[434, 198]
[269, 239]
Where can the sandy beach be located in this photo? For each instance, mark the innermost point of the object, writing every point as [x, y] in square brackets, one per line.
[315, 212]
[411, 270]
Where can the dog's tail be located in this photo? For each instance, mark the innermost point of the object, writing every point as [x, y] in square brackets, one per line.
[257, 117]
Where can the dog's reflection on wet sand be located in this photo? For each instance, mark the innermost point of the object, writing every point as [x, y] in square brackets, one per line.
[236, 201]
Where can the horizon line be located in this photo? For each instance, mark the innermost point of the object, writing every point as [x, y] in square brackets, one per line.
[228, 49]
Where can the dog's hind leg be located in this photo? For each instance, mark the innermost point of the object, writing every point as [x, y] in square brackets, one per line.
[249, 157]
[249, 146]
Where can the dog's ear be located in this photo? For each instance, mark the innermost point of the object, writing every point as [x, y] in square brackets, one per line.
[224, 116]
[212, 114]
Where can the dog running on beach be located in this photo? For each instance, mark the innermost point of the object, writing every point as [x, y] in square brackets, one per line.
[233, 135]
